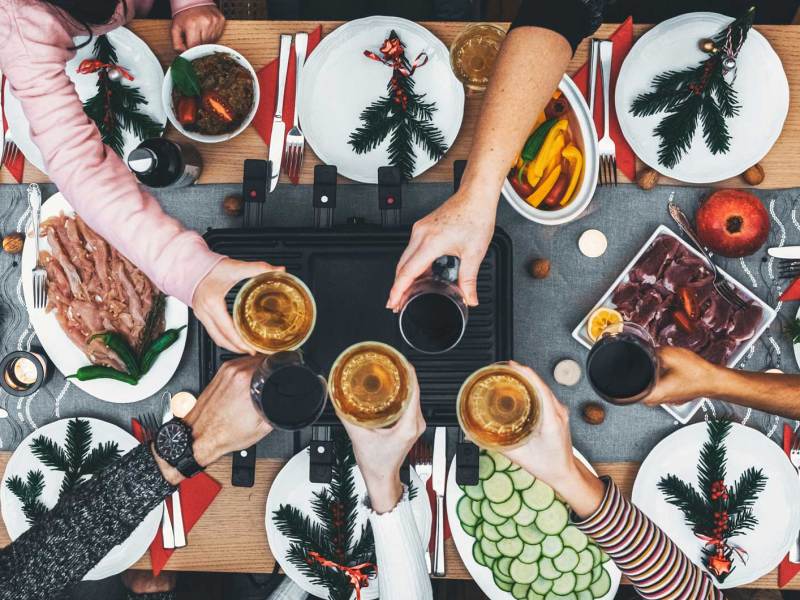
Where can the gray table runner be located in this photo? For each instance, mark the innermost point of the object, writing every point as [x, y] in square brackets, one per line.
[545, 310]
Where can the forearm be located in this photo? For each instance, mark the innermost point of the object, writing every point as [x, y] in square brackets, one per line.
[774, 393]
[82, 528]
[645, 554]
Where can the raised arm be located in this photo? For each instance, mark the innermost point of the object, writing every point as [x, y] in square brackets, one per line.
[645, 554]
[531, 63]
[685, 376]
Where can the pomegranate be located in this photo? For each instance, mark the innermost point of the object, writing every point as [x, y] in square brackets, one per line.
[732, 223]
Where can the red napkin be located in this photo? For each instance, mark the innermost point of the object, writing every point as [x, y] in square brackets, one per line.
[792, 292]
[17, 167]
[268, 84]
[787, 570]
[623, 41]
[197, 494]
[432, 500]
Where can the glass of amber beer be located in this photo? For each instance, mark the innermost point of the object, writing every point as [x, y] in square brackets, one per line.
[274, 312]
[371, 384]
[498, 408]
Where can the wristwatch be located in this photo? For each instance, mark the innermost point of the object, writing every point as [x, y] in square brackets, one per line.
[173, 443]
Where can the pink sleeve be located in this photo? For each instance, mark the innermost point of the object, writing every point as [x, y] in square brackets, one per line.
[179, 5]
[91, 176]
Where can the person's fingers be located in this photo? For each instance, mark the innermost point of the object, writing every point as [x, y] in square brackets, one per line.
[548, 402]
[177, 38]
[193, 36]
[415, 266]
[245, 269]
[224, 333]
[468, 278]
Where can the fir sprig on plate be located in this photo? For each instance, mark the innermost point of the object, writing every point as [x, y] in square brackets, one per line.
[699, 94]
[793, 331]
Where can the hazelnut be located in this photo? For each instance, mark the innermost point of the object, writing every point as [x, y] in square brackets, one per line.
[233, 205]
[593, 413]
[540, 268]
[647, 179]
[754, 175]
[13, 242]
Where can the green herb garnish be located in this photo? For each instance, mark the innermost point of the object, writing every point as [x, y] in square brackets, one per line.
[184, 77]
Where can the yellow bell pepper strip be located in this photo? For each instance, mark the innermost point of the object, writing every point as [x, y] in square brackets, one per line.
[574, 156]
[558, 147]
[545, 155]
[535, 199]
[533, 145]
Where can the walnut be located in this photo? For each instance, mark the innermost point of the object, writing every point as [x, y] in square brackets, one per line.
[647, 179]
[13, 242]
[540, 268]
[593, 413]
[233, 205]
[754, 175]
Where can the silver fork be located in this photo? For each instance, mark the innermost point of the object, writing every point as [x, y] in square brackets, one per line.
[422, 463]
[794, 457]
[605, 146]
[295, 140]
[721, 284]
[39, 275]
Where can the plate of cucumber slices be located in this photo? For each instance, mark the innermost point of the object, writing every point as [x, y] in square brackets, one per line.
[514, 536]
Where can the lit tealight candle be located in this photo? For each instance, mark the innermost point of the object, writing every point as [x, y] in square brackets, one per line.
[22, 373]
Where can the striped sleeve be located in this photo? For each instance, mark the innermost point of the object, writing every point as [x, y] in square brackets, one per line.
[646, 555]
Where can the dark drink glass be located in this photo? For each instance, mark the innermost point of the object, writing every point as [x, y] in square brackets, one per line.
[622, 366]
[288, 392]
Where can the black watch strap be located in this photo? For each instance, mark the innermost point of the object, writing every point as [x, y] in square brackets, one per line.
[187, 465]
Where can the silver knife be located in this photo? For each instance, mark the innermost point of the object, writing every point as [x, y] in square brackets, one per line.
[791, 252]
[439, 476]
[278, 136]
[178, 530]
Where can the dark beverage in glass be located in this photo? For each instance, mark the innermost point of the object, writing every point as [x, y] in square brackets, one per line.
[622, 366]
[162, 163]
[288, 392]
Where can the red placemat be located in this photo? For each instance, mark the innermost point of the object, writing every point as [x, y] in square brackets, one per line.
[197, 494]
[787, 570]
[432, 501]
[623, 42]
[792, 292]
[17, 166]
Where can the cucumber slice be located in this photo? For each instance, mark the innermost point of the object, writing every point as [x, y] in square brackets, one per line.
[595, 554]
[490, 532]
[479, 531]
[597, 572]
[489, 548]
[582, 582]
[564, 584]
[604, 558]
[585, 595]
[542, 585]
[477, 554]
[501, 566]
[523, 572]
[510, 507]
[600, 587]
[503, 585]
[525, 516]
[534, 595]
[485, 467]
[566, 561]
[530, 553]
[539, 496]
[470, 531]
[464, 512]
[552, 546]
[522, 479]
[498, 488]
[554, 596]
[585, 563]
[530, 534]
[553, 520]
[489, 515]
[547, 569]
[508, 529]
[574, 538]
[476, 507]
[475, 492]
[510, 547]
[520, 591]
[501, 463]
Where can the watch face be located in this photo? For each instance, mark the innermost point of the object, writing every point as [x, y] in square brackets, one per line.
[172, 441]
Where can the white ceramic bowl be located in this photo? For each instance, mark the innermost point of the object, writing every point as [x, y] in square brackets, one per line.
[582, 126]
[192, 54]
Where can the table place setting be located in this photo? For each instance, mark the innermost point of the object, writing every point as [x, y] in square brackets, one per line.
[608, 281]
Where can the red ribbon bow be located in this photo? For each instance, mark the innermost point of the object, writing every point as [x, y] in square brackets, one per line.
[358, 578]
[92, 65]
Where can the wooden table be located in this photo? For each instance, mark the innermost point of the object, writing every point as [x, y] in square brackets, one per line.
[258, 41]
[231, 537]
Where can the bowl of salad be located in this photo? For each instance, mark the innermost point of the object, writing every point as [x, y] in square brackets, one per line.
[554, 176]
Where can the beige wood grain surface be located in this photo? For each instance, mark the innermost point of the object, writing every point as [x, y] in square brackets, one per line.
[231, 537]
[258, 42]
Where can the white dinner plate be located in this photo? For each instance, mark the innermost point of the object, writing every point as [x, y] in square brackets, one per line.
[339, 82]
[760, 84]
[292, 487]
[120, 557]
[777, 508]
[133, 54]
[463, 541]
[68, 358]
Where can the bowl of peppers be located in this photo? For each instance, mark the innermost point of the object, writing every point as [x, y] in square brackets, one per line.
[554, 175]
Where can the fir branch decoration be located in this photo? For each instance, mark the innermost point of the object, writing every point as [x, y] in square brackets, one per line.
[77, 460]
[116, 106]
[716, 512]
[402, 114]
[698, 94]
[793, 331]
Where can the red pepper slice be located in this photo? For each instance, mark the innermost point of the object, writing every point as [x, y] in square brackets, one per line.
[683, 321]
[214, 103]
[523, 188]
[187, 110]
[688, 300]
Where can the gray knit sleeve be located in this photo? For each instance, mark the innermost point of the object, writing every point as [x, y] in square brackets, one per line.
[82, 528]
